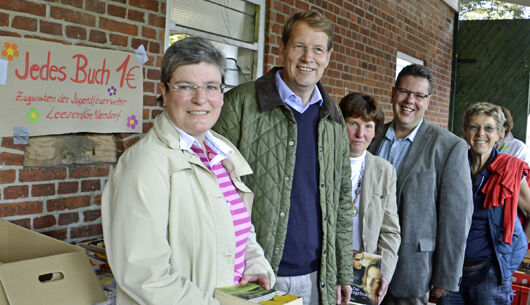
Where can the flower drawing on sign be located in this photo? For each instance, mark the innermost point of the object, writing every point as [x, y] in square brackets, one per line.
[33, 116]
[132, 122]
[10, 51]
[112, 90]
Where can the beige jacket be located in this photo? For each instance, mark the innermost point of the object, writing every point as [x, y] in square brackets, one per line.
[380, 231]
[167, 228]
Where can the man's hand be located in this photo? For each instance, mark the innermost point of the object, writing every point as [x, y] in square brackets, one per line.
[343, 294]
[382, 290]
[261, 279]
[438, 293]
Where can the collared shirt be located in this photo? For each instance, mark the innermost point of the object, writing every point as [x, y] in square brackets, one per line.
[219, 147]
[395, 150]
[290, 98]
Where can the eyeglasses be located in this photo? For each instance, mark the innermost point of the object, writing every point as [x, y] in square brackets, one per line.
[189, 90]
[417, 95]
[302, 48]
[476, 128]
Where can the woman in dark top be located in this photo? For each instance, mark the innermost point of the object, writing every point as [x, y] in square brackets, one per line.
[496, 243]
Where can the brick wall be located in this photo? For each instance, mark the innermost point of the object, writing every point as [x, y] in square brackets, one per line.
[64, 201]
[368, 35]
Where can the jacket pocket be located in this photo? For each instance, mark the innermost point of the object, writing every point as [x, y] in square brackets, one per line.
[426, 245]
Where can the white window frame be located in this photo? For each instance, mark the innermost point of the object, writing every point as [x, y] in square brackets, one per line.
[258, 46]
[408, 59]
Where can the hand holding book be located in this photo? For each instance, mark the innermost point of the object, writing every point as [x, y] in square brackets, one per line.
[261, 279]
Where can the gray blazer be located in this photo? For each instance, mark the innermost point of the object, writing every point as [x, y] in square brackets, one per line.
[435, 205]
[378, 211]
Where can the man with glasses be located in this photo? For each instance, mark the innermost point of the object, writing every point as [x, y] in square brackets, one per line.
[293, 135]
[433, 193]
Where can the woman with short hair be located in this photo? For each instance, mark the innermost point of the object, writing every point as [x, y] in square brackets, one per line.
[176, 216]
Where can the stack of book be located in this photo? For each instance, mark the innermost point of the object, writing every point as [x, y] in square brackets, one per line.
[251, 294]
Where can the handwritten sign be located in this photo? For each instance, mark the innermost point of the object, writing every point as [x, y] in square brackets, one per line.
[50, 88]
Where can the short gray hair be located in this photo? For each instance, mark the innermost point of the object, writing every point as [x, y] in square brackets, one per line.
[187, 51]
[489, 109]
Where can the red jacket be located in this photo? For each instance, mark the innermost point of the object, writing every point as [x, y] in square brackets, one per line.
[502, 188]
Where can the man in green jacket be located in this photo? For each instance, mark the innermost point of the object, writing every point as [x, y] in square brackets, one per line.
[293, 136]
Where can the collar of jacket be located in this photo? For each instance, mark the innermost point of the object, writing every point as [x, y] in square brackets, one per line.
[168, 135]
[269, 98]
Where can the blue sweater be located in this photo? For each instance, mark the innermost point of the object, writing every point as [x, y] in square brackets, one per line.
[301, 254]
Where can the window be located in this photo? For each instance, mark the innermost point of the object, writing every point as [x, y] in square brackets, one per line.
[404, 60]
[236, 27]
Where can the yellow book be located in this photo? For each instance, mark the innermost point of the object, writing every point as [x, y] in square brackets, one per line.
[251, 294]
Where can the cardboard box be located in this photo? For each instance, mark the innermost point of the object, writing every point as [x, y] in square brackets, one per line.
[41, 270]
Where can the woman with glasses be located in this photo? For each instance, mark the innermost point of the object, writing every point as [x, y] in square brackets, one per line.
[375, 220]
[176, 216]
[496, 243]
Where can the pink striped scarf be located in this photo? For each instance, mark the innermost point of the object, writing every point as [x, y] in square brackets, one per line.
[240, 215]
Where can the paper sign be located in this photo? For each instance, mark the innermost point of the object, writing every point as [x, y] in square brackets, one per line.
[52, 88]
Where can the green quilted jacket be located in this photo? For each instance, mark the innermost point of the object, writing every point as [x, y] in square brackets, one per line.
[263, 128]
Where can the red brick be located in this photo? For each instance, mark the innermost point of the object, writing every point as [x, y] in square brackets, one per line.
[76, 3]
[8, 176]
[97, 36]
[20, 208]
[68, 218]
[97, 200]
[150, 100]
[135, 43]
[11, 159]
[95, 6]
[91, 215]
[116, 11]
[57, 234]
[10, 34]
[4, 19]
[24, 23]
[90, 185]
[149, 87]
[67, 203]
[67, 187]
[86, 231]
[25, 222]
[146, 127]
[23, 6]
[42, 174]
[7, 142]
[130, 142]
[116, 26]
[51, 28]
[136, 15]
[148, 33]
[39, 190]
[72, 16]
[153, 74]
[155, 113]
[89, 171]
[157, 21]
[44, 222]
[75, 32]
[145, 4]
[154, 47]
[146, 114]
[118, 40]
[15, 192]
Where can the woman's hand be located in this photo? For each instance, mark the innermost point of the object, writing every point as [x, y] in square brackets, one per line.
[383, 287]
[261, 279]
